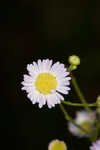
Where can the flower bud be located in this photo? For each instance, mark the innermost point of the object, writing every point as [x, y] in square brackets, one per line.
[74, 60]
[72, 67]
[57, 145]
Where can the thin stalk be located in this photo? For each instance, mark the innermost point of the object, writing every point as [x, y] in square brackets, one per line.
[78, 104]
[79, 93]
[68, 118]
[97, 129]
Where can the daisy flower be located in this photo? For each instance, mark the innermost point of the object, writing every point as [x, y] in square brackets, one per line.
[86, 120]
[57, 145]
[45, 82]
[95, 145]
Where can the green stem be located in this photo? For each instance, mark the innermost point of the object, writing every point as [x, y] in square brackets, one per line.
[79, 93]
[68, 118]
[97, 129]
[78, 104]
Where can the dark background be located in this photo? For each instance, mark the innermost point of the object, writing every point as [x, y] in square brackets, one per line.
[53, 29]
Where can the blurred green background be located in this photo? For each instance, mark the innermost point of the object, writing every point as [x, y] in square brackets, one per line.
[54, 29]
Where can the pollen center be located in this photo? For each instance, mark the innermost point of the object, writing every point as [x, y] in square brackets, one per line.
[45, 83]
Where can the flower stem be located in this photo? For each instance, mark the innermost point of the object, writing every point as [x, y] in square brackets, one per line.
[79, 93]
[68, 118]
[78, 104]
[97, 129]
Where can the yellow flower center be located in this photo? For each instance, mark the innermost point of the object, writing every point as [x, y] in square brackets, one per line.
[87, 126]
[45, 83]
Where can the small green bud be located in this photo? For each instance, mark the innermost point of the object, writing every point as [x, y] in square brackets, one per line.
[57, 145]
[73, 67]
[74, 60]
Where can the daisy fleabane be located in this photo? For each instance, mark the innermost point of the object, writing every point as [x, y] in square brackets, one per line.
[45, 82]
[85, 120]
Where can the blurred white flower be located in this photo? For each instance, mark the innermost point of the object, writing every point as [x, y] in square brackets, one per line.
[57, 145]
[45, 82]
[95, 145]
[85, 120]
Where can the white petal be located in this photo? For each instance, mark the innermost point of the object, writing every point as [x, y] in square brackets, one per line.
[26, 83]
[30, 89]
[24, 88]
[49, 64]
[82, 116]
[30, 96]
[39, 65]
[35, 66]
[36, 97]
[30, 69]
[54, 66]
[34, 100]
[62, 83]
[43, 99]
[44, 65]
[74, 130]
[50, 101]
[62, 90]
[58, 68]
[64, 74]
[28, 79]
[60, 96]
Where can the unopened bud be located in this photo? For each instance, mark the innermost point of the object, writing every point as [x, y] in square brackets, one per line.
[74, 60]
[57, 145]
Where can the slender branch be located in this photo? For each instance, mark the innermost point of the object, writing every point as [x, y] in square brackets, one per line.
[79, 93]
[68, 118]
[79, 104]
[97, 129]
